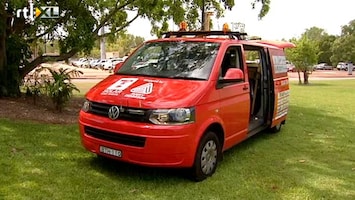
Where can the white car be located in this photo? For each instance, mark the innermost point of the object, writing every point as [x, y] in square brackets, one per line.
[94, 62]
[82, 62]
[111, 63]
[323, 66]
[342, 66]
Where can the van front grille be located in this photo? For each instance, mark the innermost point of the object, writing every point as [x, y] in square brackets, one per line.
[118, 138]
[126, 113]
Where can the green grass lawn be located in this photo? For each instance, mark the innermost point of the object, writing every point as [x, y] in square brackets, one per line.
[313, 157]
[83, 87]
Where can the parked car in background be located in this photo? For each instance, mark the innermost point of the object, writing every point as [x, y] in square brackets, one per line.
[94, 62]
[323, 66]
[111, 63]
[343, 66]
[100, 64]
[107, 65]
[290, 67]
[82, 62]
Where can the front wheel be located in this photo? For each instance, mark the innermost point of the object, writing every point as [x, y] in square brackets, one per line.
[207, 156]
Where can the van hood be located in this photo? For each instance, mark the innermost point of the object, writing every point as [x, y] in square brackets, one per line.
[147, 92]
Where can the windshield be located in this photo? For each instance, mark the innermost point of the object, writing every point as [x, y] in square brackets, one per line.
[185, 60]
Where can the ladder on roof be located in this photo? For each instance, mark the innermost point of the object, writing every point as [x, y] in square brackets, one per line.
[230, 34]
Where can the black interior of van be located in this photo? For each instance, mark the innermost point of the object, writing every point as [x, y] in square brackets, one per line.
[259, 77]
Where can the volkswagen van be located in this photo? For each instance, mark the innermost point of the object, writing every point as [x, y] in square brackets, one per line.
[182, 100]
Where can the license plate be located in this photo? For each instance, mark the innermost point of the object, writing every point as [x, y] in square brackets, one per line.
[109, 151]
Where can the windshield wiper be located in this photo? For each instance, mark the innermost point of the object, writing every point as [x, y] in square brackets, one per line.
[187, 78]
[119, 73]
[157, 76]
[149, 75]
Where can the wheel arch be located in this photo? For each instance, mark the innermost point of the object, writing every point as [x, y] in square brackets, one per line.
[218, 130]
[215, 126]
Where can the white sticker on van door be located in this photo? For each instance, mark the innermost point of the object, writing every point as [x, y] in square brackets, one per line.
[119, 86]
[282, 104]
[280, 64]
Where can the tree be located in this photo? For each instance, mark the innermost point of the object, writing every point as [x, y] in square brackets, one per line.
[314, 33]
[323, 41]
[78, 26]
[304, 56]
[124, 44]
[343, 48]
[325, 49]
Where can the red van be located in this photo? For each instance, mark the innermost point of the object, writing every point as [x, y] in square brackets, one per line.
[182, 100]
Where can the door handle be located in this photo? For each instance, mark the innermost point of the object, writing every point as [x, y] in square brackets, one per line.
[245, 87]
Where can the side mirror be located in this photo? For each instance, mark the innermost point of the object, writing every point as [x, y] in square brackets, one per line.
[233, 74]
[118, 66]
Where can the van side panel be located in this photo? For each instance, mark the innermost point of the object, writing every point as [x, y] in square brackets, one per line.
[235, 111]
[281, 86]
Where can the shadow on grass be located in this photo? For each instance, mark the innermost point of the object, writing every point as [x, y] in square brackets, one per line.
[302, 138]
[314, 151]
[313, 155]
[312, 84]
[114, 168]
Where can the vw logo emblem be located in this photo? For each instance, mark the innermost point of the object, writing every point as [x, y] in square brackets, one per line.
[114, 112]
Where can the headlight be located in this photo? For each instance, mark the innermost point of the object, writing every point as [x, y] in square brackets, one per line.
[172, 116]
[86, 106]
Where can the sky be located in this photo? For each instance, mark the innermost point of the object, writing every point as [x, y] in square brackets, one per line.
[286, 18]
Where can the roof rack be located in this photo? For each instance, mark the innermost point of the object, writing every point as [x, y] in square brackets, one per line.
[230, 34]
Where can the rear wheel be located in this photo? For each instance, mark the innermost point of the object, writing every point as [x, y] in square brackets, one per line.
[276, 128]
[207, 156]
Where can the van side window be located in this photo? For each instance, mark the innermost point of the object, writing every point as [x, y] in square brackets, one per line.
[232, 59]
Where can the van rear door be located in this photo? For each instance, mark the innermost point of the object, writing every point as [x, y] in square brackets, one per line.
[281, 86]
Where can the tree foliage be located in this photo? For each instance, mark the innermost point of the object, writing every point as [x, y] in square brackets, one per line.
[304, 56]
[343, 48]
[314, 33]
[333, 49]
[325, 49]
[323, 41]
[124, 44]
[79, 25]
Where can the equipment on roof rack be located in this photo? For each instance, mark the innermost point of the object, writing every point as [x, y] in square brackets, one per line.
[183, 26]
[230, 34]
[225, 32]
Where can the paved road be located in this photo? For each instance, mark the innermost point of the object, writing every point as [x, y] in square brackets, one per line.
[324, 74]
[94, 75]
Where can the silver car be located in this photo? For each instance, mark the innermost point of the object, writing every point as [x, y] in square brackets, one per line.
[323, 66]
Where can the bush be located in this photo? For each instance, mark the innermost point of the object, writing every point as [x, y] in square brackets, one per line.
[59, 87]
[34, 84]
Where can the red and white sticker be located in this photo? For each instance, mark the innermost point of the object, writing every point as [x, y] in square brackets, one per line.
[140, 91]
[119, 86]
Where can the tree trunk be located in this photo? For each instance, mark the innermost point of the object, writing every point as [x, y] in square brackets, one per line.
[3, 68]
[299, 77]
[3, 62]
[305, 77]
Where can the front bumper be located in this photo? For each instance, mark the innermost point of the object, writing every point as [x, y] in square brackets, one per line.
[140, 143]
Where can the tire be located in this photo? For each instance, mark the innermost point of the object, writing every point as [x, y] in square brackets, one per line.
[276, 128]
[207, 156]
